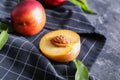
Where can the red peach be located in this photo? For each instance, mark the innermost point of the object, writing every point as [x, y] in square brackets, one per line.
[28, 17]
[53, 3]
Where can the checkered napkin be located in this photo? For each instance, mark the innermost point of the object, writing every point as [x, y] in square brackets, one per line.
[21, 59]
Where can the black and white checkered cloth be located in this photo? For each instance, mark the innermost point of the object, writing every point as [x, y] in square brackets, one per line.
[21, 59]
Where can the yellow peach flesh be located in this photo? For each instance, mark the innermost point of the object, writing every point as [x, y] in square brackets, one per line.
[60, 54]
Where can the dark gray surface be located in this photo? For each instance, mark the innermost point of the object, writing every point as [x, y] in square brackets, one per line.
[107, 22]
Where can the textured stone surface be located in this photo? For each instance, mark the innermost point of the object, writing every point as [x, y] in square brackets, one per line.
[107, 22]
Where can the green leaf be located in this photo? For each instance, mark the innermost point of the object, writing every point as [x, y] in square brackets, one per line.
[3, 38]
[3, 34]
[82, 71]
[18, 1]
[84, 5]
[3, 26]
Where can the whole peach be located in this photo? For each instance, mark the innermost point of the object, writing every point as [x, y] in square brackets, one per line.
[28, 17]
[53, 3]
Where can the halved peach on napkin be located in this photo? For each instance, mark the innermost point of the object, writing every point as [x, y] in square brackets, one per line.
[60, 45]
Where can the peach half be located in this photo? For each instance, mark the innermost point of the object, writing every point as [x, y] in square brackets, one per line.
[60, 45]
